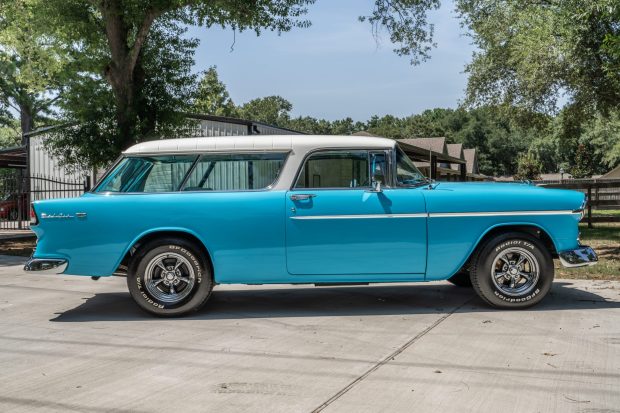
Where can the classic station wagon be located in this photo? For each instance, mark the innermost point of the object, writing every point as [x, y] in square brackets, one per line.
[179, 216]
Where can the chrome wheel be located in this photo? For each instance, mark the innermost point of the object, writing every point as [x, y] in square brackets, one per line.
[169, 277]
[515, 271]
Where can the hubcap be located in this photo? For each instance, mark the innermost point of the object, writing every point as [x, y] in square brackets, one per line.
[515, 271]
[169, 277]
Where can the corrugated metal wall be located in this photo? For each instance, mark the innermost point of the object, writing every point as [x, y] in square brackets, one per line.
[42, 163]
[213, 128]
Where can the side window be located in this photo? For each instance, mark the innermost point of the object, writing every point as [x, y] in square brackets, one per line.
[163, 173]
[335, 169]
[235, 172]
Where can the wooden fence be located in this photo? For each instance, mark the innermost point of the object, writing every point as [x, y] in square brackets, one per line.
[602, 194]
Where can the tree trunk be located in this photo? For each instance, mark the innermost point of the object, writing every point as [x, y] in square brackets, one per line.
[26, 120]
[120, 72]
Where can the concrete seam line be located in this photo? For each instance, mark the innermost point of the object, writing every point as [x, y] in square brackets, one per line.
[386, 359]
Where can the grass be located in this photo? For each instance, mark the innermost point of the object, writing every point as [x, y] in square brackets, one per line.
[605, 239]
[606, 212]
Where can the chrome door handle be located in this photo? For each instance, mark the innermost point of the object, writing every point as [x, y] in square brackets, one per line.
[302, 197]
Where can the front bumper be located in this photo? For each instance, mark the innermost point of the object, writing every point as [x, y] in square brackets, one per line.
[46, 265]
[580, 257]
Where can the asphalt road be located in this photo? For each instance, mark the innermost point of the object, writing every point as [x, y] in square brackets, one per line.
[75, 345]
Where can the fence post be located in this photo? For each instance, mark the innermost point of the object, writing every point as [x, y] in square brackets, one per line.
[590, 206]
[87, 184]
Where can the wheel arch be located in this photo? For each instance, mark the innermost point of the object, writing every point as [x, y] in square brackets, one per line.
[532, 229]
[154, 234]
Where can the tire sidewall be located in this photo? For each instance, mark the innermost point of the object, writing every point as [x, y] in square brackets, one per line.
[484, 271]
[136, 278]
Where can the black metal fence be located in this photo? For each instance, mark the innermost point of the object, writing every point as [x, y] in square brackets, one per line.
[18, 191]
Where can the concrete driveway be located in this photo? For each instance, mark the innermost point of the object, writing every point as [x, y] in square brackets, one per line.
[72, 344]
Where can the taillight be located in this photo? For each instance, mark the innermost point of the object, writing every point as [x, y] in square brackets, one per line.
[34, 220]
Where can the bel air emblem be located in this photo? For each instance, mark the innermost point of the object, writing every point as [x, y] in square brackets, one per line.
[56, 216]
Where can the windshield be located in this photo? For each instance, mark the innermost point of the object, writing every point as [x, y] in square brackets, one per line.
[406, 172]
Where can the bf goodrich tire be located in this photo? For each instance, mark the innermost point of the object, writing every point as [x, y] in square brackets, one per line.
[461, 279]
[512, 270]
[170, 278]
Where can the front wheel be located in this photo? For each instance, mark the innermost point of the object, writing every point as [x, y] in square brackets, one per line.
[169, 278]
[512, 270]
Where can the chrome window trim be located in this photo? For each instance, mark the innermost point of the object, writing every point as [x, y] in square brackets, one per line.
[326, 149]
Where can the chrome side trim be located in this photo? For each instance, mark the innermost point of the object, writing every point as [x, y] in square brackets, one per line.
[497, 214]
[46, 265]
[367, 216]
[440, 215]
[580, 257]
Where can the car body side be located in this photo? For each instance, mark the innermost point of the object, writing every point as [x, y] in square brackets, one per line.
[244, 233]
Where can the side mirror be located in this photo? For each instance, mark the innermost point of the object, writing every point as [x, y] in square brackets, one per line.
[377, 180]
[376, 186]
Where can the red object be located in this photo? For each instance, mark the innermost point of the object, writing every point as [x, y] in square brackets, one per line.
[9, 207]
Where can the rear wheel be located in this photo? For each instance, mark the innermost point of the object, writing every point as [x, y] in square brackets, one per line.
[169, 277]
[513, 270]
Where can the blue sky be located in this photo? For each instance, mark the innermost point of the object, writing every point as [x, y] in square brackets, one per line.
[335, 68]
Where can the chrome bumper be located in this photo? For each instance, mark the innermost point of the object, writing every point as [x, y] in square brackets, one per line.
[579, 257]
[46, 265]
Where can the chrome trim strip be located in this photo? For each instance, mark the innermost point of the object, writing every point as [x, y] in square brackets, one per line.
[367, 216]
[439, 215]
[46, 265]
[580, 257]
[496, 214]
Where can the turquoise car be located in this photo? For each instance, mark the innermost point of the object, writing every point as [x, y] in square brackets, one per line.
[177, 217]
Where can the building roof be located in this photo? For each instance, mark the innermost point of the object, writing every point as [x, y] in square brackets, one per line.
[363, 133]
[455, 150]
[555, 176]
[297, 143]
[613, 174]
[431, 144]
[14, 157]
[471, 158]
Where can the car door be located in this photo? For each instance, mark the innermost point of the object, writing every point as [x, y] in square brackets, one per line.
[337, 223]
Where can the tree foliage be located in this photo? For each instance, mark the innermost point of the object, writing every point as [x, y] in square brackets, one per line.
[33, 67]
[528, 167]
[533, 54]
[167, 87]
[406, 22]
[212, 98]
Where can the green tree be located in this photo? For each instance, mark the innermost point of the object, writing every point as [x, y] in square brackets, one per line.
[584, 165]
[533, 53]
[114, 34]
[167, 87]
[33, 67]
[604, 136]
[212, 98]
[528, 167]
[274, 110]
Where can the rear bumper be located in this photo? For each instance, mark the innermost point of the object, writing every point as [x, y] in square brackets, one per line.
[46, 265]
[580, 257]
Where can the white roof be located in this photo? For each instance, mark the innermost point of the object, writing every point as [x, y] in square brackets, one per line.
[297, 143]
